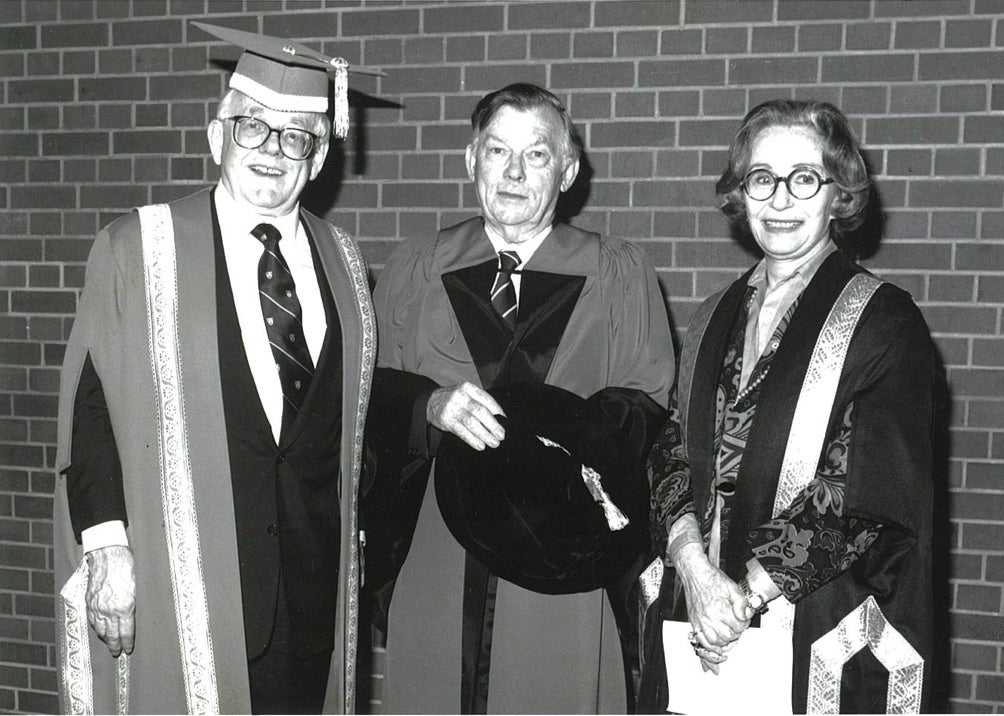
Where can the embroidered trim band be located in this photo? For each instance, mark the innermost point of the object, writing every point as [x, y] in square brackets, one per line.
[356, 269]
[812, 413]
[122, 684]
[865, 626]
[177, 491]
[650, 584]
[77, 695]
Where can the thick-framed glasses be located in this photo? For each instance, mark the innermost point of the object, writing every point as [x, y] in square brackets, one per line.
[251, 133]
[760, 184]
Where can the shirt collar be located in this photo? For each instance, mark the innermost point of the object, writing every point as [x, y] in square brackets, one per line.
[524, 249]
[802, 275]
[232, 214]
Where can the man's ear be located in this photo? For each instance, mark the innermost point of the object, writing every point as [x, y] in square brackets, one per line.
[215, 134]
[317, 159]
[471, 157]
[568, 175]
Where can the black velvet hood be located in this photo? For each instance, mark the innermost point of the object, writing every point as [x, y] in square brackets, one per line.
[524, 509]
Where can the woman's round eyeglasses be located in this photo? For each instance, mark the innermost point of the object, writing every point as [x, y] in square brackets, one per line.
[295, 143]
[760, 184]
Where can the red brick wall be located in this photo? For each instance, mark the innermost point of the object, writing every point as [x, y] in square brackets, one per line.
[105, 105]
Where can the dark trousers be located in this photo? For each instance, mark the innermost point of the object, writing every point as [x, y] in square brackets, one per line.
[282, 680]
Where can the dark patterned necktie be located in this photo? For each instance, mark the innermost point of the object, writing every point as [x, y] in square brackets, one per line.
[281, 310]
[503, 294]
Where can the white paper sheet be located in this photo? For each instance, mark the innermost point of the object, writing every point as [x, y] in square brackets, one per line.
[755, 679]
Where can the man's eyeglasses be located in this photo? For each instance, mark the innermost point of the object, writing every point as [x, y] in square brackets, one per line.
[251, 133]
[760, 184]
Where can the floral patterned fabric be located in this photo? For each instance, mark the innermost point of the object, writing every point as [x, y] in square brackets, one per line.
[875, 461]
[811, 541]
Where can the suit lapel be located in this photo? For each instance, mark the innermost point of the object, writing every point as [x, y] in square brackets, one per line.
[231, 344]
[242, 406]
[330, 355]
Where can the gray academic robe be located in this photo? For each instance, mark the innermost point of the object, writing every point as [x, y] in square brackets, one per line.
[172, 419]
[604, 324]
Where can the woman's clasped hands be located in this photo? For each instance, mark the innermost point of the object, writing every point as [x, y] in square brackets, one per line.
[716, 607]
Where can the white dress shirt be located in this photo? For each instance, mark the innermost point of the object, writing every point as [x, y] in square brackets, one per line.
[525, 249]
[771, 303]
[242, 252]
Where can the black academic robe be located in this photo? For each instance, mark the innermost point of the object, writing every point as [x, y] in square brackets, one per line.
[888, 375]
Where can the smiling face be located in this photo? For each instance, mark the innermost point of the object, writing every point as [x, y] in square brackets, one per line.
[264, 178]
[790, 230]
[519, 166]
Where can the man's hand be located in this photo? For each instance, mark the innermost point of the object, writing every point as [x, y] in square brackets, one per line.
[111, 597]
[468, 412]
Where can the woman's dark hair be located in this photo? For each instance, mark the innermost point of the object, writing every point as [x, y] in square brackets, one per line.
[841, 159]
[525, 96]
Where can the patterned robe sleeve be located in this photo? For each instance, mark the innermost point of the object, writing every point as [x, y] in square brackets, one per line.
[669, 476]
[877, 465]
[813, 541]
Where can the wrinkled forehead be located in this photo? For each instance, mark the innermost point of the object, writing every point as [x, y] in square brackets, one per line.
[536, 125]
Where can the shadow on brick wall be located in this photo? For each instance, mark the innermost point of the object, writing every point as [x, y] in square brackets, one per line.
[572, 202]
[863, 242]
[321, 195]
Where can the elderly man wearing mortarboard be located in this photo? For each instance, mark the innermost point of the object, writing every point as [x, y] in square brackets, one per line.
[504, 299]
[212, 395]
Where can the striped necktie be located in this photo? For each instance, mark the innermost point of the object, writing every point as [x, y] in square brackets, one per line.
[281, 310]
[503, 294]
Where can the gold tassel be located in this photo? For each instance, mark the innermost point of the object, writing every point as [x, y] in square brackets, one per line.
[341, 126]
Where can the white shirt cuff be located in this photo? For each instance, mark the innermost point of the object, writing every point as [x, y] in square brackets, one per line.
[105, 534]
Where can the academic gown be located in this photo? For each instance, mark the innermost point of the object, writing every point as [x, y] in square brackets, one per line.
[878, 609]
[590, 316]
[191, 619]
